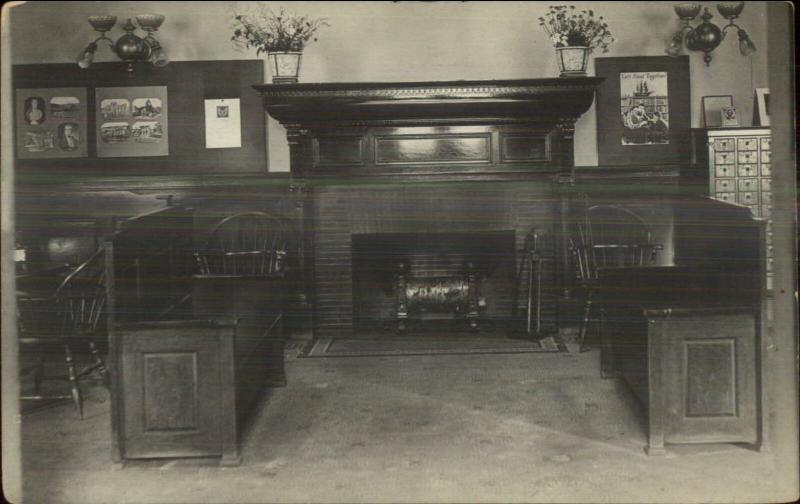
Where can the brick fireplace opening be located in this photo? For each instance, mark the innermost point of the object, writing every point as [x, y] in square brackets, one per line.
[435, 269]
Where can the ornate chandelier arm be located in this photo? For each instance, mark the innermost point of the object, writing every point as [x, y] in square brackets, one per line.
[731, 24]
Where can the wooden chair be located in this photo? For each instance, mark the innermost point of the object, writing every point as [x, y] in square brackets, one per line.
[607, 236]
[249, 243]
[70, 314]
[246, 251]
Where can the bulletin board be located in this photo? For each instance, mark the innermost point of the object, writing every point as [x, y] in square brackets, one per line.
[188, 85]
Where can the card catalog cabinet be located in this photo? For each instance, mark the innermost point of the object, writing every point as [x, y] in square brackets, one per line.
[739, 171]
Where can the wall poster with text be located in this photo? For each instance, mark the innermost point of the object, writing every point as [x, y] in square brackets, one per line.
[644, 107]
[131, 121]
[51, 123]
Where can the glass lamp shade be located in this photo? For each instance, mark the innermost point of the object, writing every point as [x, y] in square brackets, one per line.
[675, 46]
[730, 10]
[86, 57]
[746, 46]
[150, 22]
[158, 56]
[102, 23]
[687, 11]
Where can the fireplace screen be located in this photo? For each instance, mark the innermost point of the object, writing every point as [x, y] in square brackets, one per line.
[422, 282]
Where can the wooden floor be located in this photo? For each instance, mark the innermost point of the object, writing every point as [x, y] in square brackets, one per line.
[440, 428]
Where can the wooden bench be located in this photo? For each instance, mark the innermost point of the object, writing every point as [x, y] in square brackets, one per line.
[190, 354]
[687, 338]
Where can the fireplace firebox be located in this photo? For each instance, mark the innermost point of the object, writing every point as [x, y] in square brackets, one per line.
[403, 281]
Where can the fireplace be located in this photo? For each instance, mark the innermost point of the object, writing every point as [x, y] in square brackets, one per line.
[436, 185]
[420, 282]
[361, 232]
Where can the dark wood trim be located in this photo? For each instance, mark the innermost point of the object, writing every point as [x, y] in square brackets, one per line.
[84, 183]
[668, 171]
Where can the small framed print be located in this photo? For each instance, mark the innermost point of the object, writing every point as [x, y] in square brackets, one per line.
[729, 116]
[712, 109]
[761, 107]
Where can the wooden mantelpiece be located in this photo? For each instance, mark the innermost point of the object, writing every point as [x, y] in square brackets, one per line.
[425, 157]
[473, 127]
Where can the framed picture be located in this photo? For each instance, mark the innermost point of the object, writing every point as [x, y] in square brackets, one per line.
[712, 109]
[131, 121]
[730, 116]
[761, 107]
[51, 123]
[643, 110]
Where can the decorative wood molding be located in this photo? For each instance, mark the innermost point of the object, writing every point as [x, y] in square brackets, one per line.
[146, 183]
[541, 101]
[428, 90]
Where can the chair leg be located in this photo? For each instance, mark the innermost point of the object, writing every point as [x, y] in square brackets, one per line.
[39, 373]
[73, 380]
[99, 365]
[587, 312]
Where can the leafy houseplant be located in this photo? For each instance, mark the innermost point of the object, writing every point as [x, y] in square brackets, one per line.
[574, 35]
[282, 36]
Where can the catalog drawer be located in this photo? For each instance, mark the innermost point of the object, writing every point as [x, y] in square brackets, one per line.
[748, 170]
[747, 144]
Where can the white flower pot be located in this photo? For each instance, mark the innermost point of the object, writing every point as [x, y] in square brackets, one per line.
[572, 60]
[284, 66]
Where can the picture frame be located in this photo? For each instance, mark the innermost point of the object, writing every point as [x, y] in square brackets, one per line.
[51, 123]
[730, 116]
[643, 111]
[131, 121]
[761, 107]
[712, 109]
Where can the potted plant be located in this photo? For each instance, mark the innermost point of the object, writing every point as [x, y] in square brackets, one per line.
[574, 35]
[283, 36]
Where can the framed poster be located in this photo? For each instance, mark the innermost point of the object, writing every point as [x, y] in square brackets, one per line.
[51, 123]
[761, 107]
[643, 111]
[712, 109]
[131, 121]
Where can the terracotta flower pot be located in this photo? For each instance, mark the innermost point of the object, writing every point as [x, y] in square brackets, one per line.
[284, 66]
[572, 60]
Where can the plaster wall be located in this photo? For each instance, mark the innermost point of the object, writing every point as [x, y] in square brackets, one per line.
[409, 41]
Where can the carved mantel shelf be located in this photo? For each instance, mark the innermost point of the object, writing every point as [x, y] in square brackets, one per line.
[542, 101]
